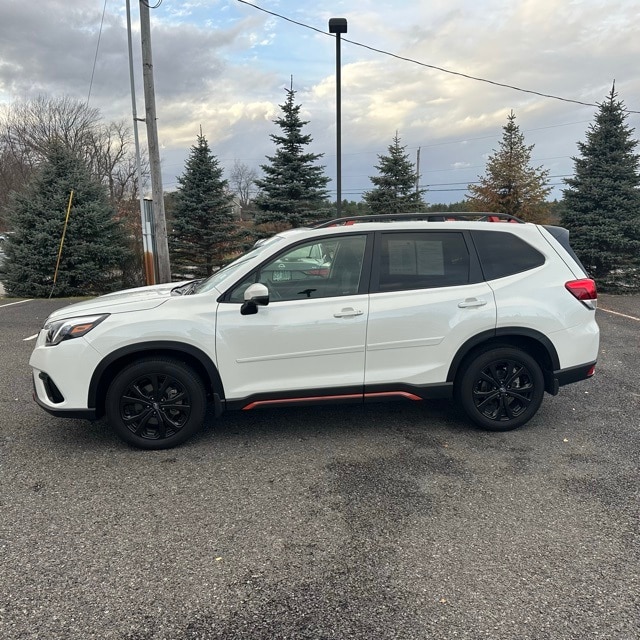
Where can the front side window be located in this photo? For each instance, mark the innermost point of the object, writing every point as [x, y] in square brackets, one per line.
[220, 276]
[422, 260]
[318, 269]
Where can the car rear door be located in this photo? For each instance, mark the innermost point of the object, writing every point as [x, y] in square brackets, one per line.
[427, 299]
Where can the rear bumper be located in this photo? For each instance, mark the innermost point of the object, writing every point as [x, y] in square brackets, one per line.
[563, 377]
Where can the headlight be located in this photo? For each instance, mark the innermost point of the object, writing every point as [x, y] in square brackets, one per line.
[60, 330]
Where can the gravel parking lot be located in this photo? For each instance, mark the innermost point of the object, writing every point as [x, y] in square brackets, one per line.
[376, 522]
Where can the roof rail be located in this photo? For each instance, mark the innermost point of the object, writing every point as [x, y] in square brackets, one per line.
[443, 216]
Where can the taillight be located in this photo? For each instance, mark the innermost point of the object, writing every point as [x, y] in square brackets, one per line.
[583, 290]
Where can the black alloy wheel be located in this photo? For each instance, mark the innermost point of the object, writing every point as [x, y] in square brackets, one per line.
[156, 403]
[501, 389]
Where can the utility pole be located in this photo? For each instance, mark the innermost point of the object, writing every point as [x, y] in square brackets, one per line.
[147, 232]
[418, 172]
[159, 224]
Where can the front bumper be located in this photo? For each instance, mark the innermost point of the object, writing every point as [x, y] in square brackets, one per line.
[78, 414]
[61, 376]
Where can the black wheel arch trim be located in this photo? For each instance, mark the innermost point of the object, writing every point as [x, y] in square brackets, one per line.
[169, 347]
[506, 332]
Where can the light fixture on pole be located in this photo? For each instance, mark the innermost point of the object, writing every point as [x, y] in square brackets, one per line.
[338, 26]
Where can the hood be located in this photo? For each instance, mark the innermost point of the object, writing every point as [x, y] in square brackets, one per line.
[138, 299]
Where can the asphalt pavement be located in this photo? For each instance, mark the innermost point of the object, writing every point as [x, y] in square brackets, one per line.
[391, 521]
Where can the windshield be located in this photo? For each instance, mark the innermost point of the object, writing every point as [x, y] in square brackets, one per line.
[215, 279]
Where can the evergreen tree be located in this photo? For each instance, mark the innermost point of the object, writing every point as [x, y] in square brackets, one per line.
[93, 250]
[510, 185]
[395, 187]
[462, 206]
[602, 201]
[353, 208]
[203, 227]
[293, 189]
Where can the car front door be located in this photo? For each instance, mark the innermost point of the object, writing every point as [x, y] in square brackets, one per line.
[310, 339]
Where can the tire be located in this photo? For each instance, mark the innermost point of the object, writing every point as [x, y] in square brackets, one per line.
[501, 388]
[156, 403]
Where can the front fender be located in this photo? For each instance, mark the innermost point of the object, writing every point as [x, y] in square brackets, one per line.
[112, 363]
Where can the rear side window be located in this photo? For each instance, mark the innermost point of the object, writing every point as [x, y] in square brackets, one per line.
[503, 254]
[422, 260]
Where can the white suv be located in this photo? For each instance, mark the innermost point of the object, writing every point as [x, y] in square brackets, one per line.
[485, 309]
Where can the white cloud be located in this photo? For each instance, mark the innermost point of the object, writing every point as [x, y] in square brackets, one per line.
[224, 65]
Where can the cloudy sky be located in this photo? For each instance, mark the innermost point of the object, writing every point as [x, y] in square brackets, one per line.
[224, 65]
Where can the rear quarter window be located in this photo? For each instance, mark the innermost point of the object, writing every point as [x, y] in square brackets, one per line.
[503, 254]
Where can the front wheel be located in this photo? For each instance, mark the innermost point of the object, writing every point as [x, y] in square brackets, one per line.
[501, 388]
[156, 403]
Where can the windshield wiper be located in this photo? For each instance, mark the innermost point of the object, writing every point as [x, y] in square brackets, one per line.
[187, 288]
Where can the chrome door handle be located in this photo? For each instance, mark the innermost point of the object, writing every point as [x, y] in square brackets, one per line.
[472, 302]
[348, 313]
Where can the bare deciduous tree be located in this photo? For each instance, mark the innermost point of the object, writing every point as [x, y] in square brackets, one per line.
[242, 184]
[29, 128]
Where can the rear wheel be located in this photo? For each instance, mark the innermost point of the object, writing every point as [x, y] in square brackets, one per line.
[501, 388]
[156, 403]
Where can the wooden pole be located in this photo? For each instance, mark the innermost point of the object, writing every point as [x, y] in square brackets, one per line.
[160, 225]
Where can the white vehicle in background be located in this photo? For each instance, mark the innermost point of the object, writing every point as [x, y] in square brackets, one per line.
[481, 308]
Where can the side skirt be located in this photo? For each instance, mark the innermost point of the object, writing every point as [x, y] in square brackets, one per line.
[344, 395]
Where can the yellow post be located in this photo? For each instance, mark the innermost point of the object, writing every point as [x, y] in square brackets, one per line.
[64, 233]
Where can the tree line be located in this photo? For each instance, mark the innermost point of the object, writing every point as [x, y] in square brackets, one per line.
[49, 148]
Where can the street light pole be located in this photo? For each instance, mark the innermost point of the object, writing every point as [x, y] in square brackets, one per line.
[338, 26]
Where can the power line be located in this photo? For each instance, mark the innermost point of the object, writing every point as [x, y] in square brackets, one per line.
[429, 66]
[95, 59]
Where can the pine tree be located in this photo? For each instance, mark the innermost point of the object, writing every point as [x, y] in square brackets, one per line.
[203, 227]
[602, 201]
[510, 185]
[461, 206]
[93, 249]
[395, 187]
[293, 189]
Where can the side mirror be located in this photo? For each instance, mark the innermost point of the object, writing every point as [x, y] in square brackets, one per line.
[256, 294]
